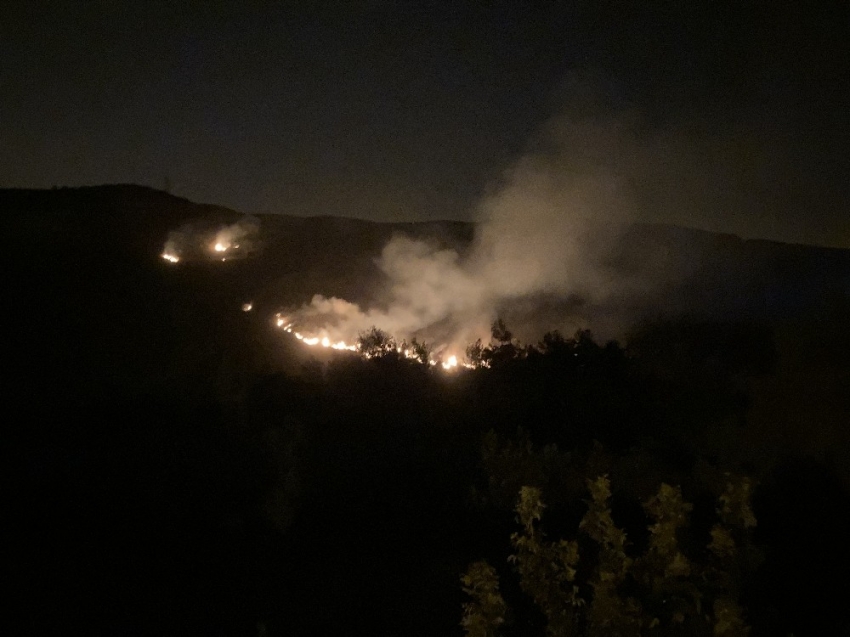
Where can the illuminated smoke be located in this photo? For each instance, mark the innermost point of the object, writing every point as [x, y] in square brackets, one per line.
[195, 241]
[171, 251]
[550, 235]
[231, 238]
[545, 231]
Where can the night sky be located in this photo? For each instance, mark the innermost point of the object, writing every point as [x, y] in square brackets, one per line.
[738, 112]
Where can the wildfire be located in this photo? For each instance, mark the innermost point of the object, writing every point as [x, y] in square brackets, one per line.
[448, 364]
[171, 258]
[312, 341]
[224, 242]
[222, 246]
[247, 307]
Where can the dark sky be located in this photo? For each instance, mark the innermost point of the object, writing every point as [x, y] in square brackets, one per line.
[412, 110]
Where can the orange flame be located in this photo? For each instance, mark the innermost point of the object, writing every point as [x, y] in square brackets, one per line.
[448, 364]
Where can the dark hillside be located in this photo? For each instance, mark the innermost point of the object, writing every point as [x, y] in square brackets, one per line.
[92, 293]
[180, 466]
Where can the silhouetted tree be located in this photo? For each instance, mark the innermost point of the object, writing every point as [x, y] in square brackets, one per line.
[416, 351]
[500, 332]
[475, 354]
[376, 343]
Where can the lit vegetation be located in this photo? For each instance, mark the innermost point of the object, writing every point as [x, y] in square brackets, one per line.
[596, 584]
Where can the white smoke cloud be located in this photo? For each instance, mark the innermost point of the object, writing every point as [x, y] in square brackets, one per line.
[555, 246]
[545, 231]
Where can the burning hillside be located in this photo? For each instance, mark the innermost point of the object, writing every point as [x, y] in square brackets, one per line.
[376, 343]
[197, 241]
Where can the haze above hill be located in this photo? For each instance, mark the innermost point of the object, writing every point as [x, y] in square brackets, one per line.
[94, 292]
[118, 232]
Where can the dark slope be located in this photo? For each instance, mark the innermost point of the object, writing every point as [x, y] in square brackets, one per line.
[93, 296]
[724, 277]
[94, 308]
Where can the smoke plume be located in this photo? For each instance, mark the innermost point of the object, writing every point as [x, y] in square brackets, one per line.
[544, 239]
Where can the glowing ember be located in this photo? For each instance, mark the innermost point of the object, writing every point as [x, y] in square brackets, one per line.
[171, 258]
[220, 247]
